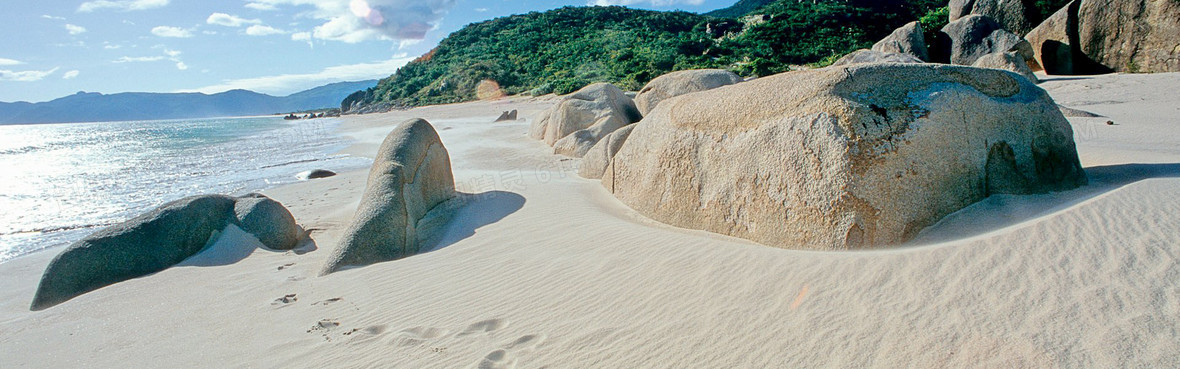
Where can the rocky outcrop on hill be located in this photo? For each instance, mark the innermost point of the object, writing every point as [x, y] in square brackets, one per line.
[1102, 36]
[411, 174]
[866, 56]
[576, 123]
[1009, 61]
[908, 39]
[680, 83]
[159, 239]
[843, 158]
[974, 36]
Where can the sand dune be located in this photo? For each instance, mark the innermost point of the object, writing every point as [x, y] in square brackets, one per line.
[544, 269]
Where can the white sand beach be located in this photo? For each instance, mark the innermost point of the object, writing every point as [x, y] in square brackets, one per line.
[544, 269]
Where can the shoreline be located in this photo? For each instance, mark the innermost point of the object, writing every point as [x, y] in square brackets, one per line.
[553, 271]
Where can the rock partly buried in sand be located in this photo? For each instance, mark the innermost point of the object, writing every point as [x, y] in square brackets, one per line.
[1077, 113]
[1009, 61]
[866, 56]
[507, 116]
[599, 156]
[576, 123]
[974, 36]
[907, 39]
[679, 83]
[315, 173]
[1103, 36]
[843, 158]
[267, 220]
[157, 240]
[411, 174]
[1012, 14]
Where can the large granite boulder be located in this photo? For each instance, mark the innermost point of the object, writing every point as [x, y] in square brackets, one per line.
[599, 156]
[1009, 61]
[267, 220]
[579, 120]
[1016, 16]
[974, 36]
[908, 39]
[843, 158]
[411, 174]
[1102, 36]
[866, 56]
[679, 83]
[157, 240]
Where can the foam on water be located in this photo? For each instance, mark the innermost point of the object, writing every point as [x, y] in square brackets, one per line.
[60, 182]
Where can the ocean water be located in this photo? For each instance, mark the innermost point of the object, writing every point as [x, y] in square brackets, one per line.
[61, 182]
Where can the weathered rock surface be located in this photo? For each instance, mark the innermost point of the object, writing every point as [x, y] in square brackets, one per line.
[411, 174]
[908, 39]
[866, 56]
[1009, 61]
[1102, 36]
[576, 123]
[268, 220]
[843, 158]
[1015, 15]
[599, 156]
[157, 240]
[679, 83]
[974, 36]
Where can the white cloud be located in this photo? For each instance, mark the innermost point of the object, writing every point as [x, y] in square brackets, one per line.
[290, 83]
[652, 2]
[261, 6]
[5, 61]
[110, 46]
[47, 16]
[171, 53]
[360, 20]
[70, 75]
[227, 20]
[261, 30]
[138, 59]
[303, 36]
[25, 76]
[180, 65]
[177, 32]
[74, 30]
[481, 10]
[124, 5]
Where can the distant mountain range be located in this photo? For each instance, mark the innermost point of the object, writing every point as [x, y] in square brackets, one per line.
[97, 107]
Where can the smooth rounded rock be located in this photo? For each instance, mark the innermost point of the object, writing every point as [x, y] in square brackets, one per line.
[843, 157]
[411, 174]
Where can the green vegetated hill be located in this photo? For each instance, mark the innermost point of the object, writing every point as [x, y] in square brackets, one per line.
[740, 8]
[565, 49]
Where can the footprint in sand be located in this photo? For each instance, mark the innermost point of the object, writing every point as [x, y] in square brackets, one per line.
[526, 342]
[418, 335]
[499, 359]
[328, 301]
[505, 358]
[285, 300]
[485, 326]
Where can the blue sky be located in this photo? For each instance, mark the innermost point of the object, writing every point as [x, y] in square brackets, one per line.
[55, 48]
